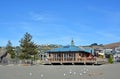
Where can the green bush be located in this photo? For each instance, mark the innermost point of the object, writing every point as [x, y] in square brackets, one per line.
[110, 59]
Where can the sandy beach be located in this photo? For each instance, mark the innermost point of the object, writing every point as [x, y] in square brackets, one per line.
[109, 71]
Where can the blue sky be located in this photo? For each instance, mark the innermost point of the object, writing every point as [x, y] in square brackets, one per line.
[60, 21]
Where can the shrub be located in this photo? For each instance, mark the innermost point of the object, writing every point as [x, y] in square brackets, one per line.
[110, 59]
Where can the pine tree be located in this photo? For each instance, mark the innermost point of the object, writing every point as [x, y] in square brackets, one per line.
[28, 47]
[10, 49]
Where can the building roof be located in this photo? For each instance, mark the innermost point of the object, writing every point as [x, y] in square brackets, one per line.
[69, 48]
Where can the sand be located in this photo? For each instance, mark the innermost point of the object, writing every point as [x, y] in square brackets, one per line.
[109, 71]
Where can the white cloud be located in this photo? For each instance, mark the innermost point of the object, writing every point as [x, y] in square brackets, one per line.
[42, 17]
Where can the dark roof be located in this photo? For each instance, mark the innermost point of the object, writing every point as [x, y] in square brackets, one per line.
[69, 48]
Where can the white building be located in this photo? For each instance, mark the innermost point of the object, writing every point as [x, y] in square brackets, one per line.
[117, 54]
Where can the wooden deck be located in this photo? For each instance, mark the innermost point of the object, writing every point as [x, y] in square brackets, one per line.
[79, 61]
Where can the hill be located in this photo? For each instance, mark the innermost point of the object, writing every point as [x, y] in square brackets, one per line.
[112, 45]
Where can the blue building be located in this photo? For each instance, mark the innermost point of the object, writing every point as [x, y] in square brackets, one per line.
[70, 54]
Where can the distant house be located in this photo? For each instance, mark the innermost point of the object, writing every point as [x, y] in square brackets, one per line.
[70, 54]
[96, 50]
[108, 52]
[117, 54]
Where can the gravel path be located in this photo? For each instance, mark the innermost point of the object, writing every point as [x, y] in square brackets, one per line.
[111, 71]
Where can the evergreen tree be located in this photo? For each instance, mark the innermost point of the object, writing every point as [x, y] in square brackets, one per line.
[28, 47]
[10, 49]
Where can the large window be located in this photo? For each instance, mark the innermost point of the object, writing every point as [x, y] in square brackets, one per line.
[69, 56]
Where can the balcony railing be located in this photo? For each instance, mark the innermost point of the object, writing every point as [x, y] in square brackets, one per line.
[61, 59]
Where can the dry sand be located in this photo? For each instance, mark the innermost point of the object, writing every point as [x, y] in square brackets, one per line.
[109, 71]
